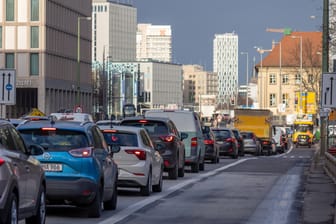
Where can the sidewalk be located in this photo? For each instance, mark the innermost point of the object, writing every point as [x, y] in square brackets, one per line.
[319, 195]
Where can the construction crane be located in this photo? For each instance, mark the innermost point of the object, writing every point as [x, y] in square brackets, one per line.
[286, 31]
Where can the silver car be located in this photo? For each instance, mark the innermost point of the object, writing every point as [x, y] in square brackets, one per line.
[251, 143]
[140, 164]
[22, 180]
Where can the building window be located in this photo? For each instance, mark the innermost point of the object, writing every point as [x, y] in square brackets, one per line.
[34, 64]
[34, 37]
[272, 100]
[285, 98]
[0, 36]
[9, 10]
[34, 13]
[272, 79]
[285, 79]
[9, 60]
[297, 78]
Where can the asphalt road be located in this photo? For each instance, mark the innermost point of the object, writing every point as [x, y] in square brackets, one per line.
[264, 189]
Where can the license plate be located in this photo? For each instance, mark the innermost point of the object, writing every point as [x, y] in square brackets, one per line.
[52, 167]
[220, 142]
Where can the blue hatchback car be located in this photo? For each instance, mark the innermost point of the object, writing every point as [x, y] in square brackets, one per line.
[78, 164]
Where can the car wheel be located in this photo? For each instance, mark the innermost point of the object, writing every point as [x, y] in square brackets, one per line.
[181, 170]
[158, 187]
[217, 159]
[146, 190]
[12, 212]
[173, 172]
[95, 209]
[40, 216]
[201, 166]
[112, 203]
[214, 160]
[195, 167]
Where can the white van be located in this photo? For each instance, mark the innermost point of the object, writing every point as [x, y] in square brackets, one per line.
[188, 122]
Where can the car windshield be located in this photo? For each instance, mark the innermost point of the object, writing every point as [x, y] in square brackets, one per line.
[56, 140]
[121, 138]
[152, 127]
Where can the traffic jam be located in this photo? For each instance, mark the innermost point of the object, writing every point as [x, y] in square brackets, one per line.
[82, 163]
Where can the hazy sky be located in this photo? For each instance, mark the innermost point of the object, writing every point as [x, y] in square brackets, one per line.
[194, 24]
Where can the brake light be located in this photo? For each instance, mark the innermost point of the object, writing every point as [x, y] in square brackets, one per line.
[81, 153]
[208, 141]
[141, 154]
[230, 140]
[48, 129]
[168, 138]
[143, 121]
[2, 161]
[194, 142]
[109, 131]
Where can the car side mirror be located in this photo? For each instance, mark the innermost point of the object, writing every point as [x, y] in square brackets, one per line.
[35, 150]
[184, 135]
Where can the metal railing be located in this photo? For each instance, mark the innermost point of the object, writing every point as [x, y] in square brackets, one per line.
[330, 166]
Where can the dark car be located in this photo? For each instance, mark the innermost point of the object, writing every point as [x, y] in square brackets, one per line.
[211, 153]
[240, 140]
[225, 141]
[22, 180]
[251, 143]
[163, 130]
[78, 164]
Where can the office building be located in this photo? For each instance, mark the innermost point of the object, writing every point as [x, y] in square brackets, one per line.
[225, 64]
[154, 42]
[39, 40]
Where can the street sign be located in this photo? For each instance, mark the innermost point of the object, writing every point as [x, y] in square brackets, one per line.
[7, 86]
[328, 90]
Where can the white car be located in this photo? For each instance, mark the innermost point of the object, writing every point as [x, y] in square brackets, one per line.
[140, 164]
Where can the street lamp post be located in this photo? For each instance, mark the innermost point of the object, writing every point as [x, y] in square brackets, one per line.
[79, 18]
[246, 77]
[300, 37]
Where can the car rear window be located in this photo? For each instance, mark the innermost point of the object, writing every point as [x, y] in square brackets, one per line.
[221, 134]
[247, 135]
[152, 127]
[56, 140]
[183, 121]
[121, 138]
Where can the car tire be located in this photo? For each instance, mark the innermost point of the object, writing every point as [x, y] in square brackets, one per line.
[40, 216]
[146, 190]
[111, 204]
[181, 170]
[158, 187]
[95, 209]
[201, 166]
[173, 172]
[195, 167]
[217, 159]
[12, 212]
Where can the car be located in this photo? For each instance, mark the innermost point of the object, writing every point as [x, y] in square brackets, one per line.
[251, 143]
[108, 122]
[240, 140]
[163, 130]
[78, 163]
[279, 135]
[226, 142]
[188, 122]
[140, 163]
[211, 153]
[22, 179]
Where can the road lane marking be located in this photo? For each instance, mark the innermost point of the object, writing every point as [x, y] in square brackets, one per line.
[119, 216]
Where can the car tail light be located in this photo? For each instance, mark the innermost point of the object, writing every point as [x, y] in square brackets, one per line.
[141, 154]
[168, 138]
[110, 131]
[82, 152]
[2, 161]
[208, 141]
[194, 142]
[48, 129]
[230, 140]
[143, 121]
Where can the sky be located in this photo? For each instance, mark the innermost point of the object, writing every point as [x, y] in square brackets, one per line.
[194, 24]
